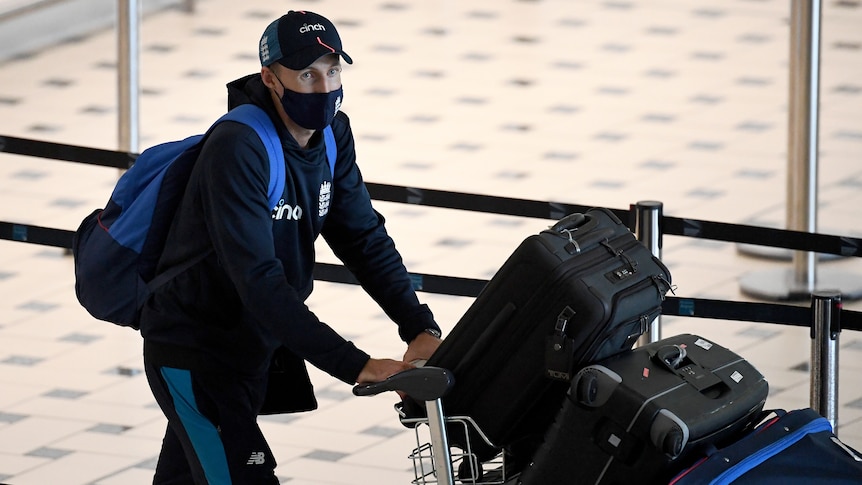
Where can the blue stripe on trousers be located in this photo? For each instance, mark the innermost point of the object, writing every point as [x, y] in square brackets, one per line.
[202, 433]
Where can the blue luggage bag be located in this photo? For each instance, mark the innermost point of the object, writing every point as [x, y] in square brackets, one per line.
[796, 447]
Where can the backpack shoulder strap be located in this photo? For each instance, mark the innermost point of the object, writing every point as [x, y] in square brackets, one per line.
[256, 118]
[331, 149]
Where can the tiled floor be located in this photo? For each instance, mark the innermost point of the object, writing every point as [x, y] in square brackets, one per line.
[595, 102]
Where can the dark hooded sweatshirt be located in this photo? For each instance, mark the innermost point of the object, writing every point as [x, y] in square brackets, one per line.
[246, 298]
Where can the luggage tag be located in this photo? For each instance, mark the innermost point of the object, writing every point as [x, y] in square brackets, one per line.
[560, 351]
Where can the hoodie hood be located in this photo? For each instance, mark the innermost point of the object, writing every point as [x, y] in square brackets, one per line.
[250, 90]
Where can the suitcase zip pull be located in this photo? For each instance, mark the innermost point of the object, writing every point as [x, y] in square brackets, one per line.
[663, 285]
[643, 327]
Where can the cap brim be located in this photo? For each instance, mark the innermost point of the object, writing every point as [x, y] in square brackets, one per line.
[306, 57]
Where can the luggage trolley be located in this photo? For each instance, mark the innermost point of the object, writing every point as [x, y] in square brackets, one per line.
[434, 461]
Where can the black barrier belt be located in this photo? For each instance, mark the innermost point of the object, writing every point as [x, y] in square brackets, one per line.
[740, 311]
[470, 287]
[67, 153]
[478, 203]
[779, 238]
[752, 312]
[45, 236]
[674, 226]
[673, 306]
[444, 285]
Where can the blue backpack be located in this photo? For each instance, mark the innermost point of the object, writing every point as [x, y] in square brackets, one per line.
[116, 249]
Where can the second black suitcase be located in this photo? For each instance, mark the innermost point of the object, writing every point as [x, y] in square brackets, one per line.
[641, 416]
[583, 290]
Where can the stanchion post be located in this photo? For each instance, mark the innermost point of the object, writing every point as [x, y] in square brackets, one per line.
[648, 217]
[801, 281]
[128, 78]
[804, 107]
[825, 329]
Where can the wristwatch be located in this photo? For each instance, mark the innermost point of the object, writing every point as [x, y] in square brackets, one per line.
[433, 332]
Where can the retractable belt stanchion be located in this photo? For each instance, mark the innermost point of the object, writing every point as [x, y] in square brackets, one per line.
[128, 74]
[805, 277]
[648, 216]
[825, 328]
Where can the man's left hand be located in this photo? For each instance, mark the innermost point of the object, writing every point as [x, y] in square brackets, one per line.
[421, 348]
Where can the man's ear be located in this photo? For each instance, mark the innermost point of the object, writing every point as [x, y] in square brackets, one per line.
[268, 77]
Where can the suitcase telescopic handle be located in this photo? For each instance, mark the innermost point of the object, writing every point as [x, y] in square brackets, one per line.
[421, 383]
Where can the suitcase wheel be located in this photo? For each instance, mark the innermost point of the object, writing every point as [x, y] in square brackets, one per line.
[588, 389]
[669, 434]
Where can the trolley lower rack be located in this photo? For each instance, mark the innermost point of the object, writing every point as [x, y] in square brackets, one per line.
[469, 470]
[434, 461]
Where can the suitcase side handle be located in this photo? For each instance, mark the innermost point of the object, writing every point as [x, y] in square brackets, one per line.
[577, 219]
[671, 356]
[571, 221]
[582, 231]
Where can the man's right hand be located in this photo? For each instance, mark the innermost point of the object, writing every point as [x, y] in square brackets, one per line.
[376, 370]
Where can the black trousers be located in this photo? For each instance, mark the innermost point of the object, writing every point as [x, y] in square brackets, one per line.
[212, 435]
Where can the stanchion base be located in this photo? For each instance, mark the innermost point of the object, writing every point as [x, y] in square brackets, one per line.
[778, 254]
[779, 285]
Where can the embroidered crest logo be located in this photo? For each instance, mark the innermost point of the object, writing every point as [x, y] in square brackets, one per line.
[324, 199]
[264, 49]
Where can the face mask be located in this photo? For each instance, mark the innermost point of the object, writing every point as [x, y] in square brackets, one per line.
[313, 111]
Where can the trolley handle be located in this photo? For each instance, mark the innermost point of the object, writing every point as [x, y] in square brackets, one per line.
[421, 383]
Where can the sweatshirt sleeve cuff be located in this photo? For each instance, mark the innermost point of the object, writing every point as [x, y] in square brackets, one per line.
[418, 323]
[352, 365]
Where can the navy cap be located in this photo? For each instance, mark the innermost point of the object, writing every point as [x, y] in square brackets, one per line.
[299, 38]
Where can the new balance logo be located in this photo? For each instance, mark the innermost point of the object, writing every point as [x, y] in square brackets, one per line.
[256, 458]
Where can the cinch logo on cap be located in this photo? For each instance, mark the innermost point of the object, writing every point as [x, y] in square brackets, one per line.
[308, 28]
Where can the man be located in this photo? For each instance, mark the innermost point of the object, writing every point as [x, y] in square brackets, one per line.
[211, 333]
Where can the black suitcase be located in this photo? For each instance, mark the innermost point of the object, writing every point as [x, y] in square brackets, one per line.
[642, 416]
[583, 290]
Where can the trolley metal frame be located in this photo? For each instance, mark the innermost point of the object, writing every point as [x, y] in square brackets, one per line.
[434, 460]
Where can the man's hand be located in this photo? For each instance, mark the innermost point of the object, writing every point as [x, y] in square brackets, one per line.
[421, 347]
[376, 370]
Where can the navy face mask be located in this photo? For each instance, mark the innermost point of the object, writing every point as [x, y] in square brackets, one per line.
[313, 111]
